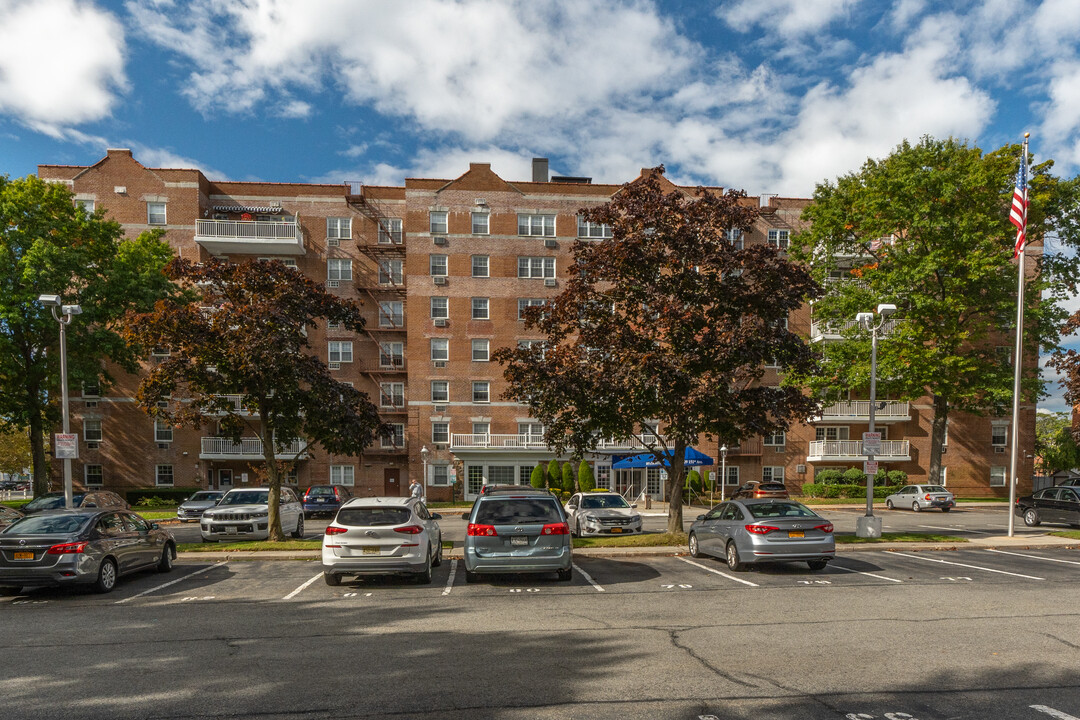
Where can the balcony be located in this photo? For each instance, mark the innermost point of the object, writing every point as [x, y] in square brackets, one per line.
[250, 237]
[858, 411]
[822, 451]
[218, 448]
[466, 441]
[838, 331]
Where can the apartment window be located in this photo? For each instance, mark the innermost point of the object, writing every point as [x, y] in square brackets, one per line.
[340, 351]
[735, 237]
[391, 313]
[337, 269]
[392, 395]
[396, 438]
[440, 348]
[480, 266]
[533, 431]
[437, 222]
[391, 355]
[91, 390]
[480, 308]
[440, 475]
[480, 223]
[776, 439]
[997, 476]
[91, 430]
[772, 474]
[163, 432]
[779, 239]
[440, 432]
[390, 272]
[732, 475]
[440, 308]
[481, 350]
[828, 432]
[440, 391]
[390, 231]
[331, 325]
[437, 265]
[163, 475]
[999, 434]
[481, 428]
[342, 475]
[586, 229]
[541, 225]
[155, 213]
[481, 392]
[87, 206]
[536, 267]
[338, 228]
[527, 303]
[92, 476]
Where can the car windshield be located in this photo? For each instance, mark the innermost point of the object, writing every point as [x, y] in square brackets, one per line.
[246, 497]
[604, 501]
[204, 496]
[48, 525]
[323, 491]
[373, 516]
[934, 488]
[51, 501]
[779, 509]
[510, 511]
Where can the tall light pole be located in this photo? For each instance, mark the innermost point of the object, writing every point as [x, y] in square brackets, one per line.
[423, 460]
[723, 472]
[63, 314]
[869, 526]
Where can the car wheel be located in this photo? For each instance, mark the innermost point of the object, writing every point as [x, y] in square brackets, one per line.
[733, 561]
[566, 575]
[695, 551]
[299, 532]
[915, 506]
[816, 565]
[106, 577]
[331, 579]
[888, 504]
[168, 554]
[438, 556]
[424, 576]
[1031, 517]
[945, 509]
[471, 577]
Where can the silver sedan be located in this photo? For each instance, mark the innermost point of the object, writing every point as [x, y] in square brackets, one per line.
[602, 514]
[749, 531]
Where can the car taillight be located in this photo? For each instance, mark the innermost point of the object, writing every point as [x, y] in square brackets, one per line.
[331, 530]
[827, 527]
[66, 549]
[926, 497]
[410, 529]
[556, 529]
[760, 529]
[481, 530]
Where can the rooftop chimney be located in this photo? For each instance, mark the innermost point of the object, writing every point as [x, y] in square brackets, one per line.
[540, 169]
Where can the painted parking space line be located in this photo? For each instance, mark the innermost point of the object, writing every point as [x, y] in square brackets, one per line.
[1053, 713]
[958, 564]
[450, 580]
[954, 528]
[172, 582]
[717, 572]
[1034, 557]
[834, 566]
[301, 589]
[588, 577]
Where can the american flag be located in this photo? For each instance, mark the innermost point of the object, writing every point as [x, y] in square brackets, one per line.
[1018, 216]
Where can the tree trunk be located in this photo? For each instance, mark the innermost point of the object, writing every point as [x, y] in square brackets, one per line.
[675, 487]
[937, 438]
[274, 479]
[39, 463]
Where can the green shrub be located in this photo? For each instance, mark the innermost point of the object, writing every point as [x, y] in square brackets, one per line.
[829, 476]
[898, 478]
[154, 502]
[812, 489]
[568, 478]
[585, 480]
[554, 475]
[174, 496]
[854, 475]
[692, 481]
[539, 475]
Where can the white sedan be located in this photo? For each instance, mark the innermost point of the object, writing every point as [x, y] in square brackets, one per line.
[603, 513]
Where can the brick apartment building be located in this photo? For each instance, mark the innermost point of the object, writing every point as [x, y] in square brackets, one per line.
[443, 269]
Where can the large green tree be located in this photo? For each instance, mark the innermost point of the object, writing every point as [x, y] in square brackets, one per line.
[49, 246]
[664, 329]
[15, 454]
[927, 229]
[246, 335]
[1055, 446]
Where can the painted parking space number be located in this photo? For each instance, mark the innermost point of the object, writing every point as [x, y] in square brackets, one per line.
[191, 598]
[517, 590]
[814, 582]
[680, 586]
[959, 578]
[886, 716]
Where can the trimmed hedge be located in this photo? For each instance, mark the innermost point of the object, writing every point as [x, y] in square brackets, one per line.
[834, 490]
[174, 496]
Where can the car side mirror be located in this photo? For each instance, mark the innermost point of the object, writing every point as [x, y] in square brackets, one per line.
[634, 505]
[700, 517]
[155, 526]
[436, 516]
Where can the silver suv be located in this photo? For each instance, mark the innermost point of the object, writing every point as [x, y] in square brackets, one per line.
[243, 514]
[517, 531]
[382, 536]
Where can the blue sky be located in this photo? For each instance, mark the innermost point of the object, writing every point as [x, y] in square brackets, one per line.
[765, 95]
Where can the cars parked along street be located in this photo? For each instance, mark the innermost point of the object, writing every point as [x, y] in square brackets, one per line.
[324, 499]
[921, 497]
[192, 509]
[1053, 504]
[243, 514]
[752, 530]
[758, 489]
[382, 536]
[520, 530]
[605, 513]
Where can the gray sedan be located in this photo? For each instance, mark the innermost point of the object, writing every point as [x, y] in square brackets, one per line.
[81, 547]
[921, 497]
[762, 531]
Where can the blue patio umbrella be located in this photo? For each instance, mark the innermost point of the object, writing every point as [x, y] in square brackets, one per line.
[694, 458]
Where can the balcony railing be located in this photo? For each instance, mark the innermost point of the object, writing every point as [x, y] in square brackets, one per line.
[466, 441]
[859, 411]
[838, 331]
[217, 448]
[851, 451]
[225, 237]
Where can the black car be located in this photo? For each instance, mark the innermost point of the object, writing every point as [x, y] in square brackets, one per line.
[1059, 504]
[90, 499]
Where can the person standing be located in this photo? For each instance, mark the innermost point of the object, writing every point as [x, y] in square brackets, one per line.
[416, 489]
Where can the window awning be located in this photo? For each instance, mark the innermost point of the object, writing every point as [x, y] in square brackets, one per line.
[694, 458]
[248, 208]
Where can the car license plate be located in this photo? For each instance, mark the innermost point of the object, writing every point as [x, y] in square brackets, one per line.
[519, 540]
[320, 500]
[230, 529]
[616, 530]
[24, 556]
[796, 533]
[371, 550]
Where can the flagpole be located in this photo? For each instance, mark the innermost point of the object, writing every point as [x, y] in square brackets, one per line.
[1017, 360]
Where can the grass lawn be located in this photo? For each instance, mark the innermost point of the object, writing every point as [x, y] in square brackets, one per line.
[644, 540]
[156, 514]
[1071, 534]
[900, 537]
[15, 503]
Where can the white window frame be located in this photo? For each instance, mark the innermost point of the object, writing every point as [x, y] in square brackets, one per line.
[772, 473]
[440, 308]
[391, 313]
[438, 222]
[481, 392]
[338, 269]
[529, 302]
[440, 475]
[822, 432]
[154, 216]
[87, 206]
[100, 475]
[392, 394]
[736, 238]
[164, 471]
[999, 429]
[484, 227]
[777, 439]
[481, 428]
[591, 230]
[481, 266]
[480, 308]
[998, 476]
[391, 272]
[779, 238]
[163, 432]
[536, 224]
[732, 475]
[440, 432]
[395, 439]
[481, 350]
[391, 235]
[438, 265]
[338, 228]
[340, 351]
[92, 430]
[392, 355]
[440, 392]
[343, 475]
[536, 267]
[440, 349]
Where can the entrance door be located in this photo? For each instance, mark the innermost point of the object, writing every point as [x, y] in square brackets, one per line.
[224, 479]
[392, 482]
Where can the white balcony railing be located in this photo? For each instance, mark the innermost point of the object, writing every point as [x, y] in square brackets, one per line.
[838, 331]
[222, 237]
[217, 448]
[466, 441]
[851, 451]
[859, 411]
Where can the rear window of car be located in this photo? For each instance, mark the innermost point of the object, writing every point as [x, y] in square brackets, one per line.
[771, 487]
[373, 516]
[935, 488]
[775, 510]
[512, 511]
[51, 502]
[47, 525]
[320, 491]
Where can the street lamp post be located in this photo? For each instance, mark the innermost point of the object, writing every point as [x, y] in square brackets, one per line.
[63, 314]
[723, 472]
[423, 460]
[869, 526]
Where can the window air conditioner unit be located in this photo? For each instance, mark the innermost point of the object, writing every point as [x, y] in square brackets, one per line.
[999, 449]
[440, 408]
[440, 363]
[163, 446]
[333, 242]
[778, 448]
[335, 366]
[440, 280]
[92, 445]
[439, 240]
[549, 282]
[440, 322]
[440, 446]
[333, 283]
[90, 403]
[800, 468]
[551, 243]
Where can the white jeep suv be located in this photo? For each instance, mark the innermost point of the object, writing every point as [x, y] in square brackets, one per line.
[243, 514]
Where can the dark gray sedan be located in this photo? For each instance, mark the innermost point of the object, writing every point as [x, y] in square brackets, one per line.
[81, 547]
[751, 531]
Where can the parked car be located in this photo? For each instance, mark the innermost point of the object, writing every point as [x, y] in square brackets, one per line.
[759, 489]
[90, 499]
[921, 497]
[602, 514]
[81, 547]
[1059, 504]
[193, 508]
[8, 516]
[750, 531]
[324, 499]
[382, 536]
[523, 531]
[494, 487]
[243, 514]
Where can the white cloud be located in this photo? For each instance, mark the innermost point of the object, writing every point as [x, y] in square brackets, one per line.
[904, 12]
[61, 63]
[790, 18]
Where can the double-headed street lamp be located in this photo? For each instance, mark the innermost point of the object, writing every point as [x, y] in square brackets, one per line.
[869, 526]
[63, 315]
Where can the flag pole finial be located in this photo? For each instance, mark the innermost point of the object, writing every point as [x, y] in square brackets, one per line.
[1027, 135]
